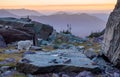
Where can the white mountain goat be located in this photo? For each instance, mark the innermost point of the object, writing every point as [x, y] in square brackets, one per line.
[24, 45]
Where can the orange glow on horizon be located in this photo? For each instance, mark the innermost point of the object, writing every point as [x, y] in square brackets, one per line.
[64, 7]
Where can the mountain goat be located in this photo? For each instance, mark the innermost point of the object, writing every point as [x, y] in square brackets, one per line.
[24, 45]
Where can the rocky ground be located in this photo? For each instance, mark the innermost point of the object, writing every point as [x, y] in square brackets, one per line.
[10, 58]
[56, 54]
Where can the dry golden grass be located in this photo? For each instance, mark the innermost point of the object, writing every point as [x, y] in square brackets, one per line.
[19, 75]
[16, 56]
[48, 48]
[95, 46]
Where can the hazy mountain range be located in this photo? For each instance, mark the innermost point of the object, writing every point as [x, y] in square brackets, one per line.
[24, 12]
[5, 13]
[82, 23]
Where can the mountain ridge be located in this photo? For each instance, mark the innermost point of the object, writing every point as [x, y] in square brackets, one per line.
[5, 13]
[79, 22]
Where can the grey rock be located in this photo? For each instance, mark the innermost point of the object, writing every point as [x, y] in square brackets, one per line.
[10, 51]
[3, 62]
[20, 29]
[81, 48]
[101, 62]
[10, 60]
[90, 53]
[28, 52]
[64, 46]
[75, 61]
[29, 75]
[43, 30]
[109, 69]
[52, 36]
[7, 74]
[64, 38]
[116, 74]
[55, 75]
[89, 44]
[36, 48]
[13, 35]
[43, 75]
[85, 74]
[65, 75]
[25, 60]
[43, 42]
[4, 68]
[2, 42]
[111, 42]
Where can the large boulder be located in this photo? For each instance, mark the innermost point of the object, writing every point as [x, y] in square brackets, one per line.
[2, 42]
[43, 30]
[111, 43]
[13, 35]
[56, 61]
[23, 29]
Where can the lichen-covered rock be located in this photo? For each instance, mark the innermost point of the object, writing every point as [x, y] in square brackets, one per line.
[112, 36]
[56, 61]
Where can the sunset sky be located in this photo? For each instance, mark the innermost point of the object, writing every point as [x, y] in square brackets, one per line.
[58, 4]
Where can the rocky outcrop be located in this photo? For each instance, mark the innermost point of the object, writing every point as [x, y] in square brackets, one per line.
[43, 31]
[56, 61]
[13, 35]
[112, 36]
[13, 29]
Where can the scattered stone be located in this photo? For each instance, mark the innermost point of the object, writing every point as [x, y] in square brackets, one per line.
[81, 47]
[63, 46]
[67, 60]
[36, 48]
[11, 51]
[116, 74]
[101, 62]
[43, 42]
[4, 68]
[25, 60]
[67, 38]
[29, 75]
[3, 62]
[10, 60]
[28, 52]
[90, 53]
[7, 74]
[55, 75]
[85, 74]
[89, 44]
[64, 75]
[52, 36]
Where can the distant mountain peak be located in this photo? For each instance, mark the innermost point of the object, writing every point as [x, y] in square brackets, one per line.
[25, 12]
[83, 14]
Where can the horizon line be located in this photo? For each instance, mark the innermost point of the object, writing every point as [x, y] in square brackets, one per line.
[63, 5]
